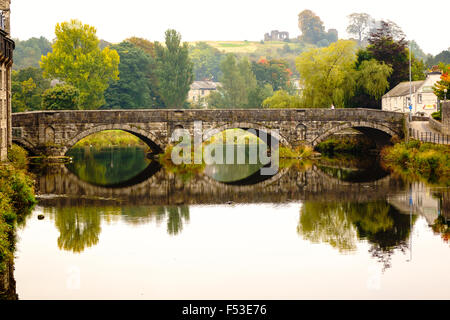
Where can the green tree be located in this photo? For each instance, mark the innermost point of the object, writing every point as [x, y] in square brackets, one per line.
[238, 84]
[28, 53]
[206, 60]
[61, 97]
[311, 26]
[174, 69]
[282, 100]
[27, 86]
[443, 57]
[134, 90]
[327, 74]
[78, 61]
[274, 72]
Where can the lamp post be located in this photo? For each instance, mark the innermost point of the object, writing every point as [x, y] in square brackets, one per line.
[410, 82]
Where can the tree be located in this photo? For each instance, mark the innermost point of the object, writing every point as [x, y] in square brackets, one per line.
[61, 97]
[282, 100]
[134, 90]
[384, 48]
[144, 44]
[443, 57]
[28, 53]
[78, 61]
[444, 83]
[206, 60]
[327, 74]
[174, 69]
[313, 30]
[238, 83]
[359, 25]
[372, 78]
[311, 26]
[274, 72]
[27, 86]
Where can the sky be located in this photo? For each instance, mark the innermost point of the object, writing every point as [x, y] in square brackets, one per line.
[202, 20]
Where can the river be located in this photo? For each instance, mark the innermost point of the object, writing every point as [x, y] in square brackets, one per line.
[119, 226]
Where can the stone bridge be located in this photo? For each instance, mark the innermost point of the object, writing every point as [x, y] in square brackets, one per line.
[53, 133]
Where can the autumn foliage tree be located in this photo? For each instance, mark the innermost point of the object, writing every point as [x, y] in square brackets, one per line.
[444, 83]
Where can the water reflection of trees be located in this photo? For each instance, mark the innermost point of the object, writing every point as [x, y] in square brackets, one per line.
[80, 226]
[342, 224]
[107, 166]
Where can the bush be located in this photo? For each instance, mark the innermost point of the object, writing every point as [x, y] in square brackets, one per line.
[16, 200]
[61, 97]
[437, 115]
[428, 161]
[18, 157]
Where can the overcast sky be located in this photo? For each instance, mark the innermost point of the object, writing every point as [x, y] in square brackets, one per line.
[117, 20]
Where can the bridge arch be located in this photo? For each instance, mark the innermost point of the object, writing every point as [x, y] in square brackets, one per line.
[246, 126]
[151, 140]
[381, 134]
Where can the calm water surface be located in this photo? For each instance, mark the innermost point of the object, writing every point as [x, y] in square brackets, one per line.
[118, 226]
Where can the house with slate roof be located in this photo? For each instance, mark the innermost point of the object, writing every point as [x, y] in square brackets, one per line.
[424, 101]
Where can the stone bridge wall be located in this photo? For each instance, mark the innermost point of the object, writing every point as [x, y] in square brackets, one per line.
[54, 133]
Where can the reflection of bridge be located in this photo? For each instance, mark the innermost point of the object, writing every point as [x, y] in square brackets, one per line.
[55, 132]
[167, 189]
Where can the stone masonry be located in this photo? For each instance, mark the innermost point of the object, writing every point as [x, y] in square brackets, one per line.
[55, 132]
[6, 61]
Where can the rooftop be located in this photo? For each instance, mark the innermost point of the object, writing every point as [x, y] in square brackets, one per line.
[402, 89]
[204, 85]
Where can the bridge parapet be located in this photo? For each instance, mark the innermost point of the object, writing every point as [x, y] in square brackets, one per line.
[55, 132]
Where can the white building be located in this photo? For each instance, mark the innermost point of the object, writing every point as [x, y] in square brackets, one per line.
[200, 90]
[424, 101]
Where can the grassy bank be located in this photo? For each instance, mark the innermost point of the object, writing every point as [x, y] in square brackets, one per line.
[426, 161]
[16, 200]
[111, 138]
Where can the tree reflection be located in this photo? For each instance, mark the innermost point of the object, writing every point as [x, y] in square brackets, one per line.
[342, 224]
[80, 226]
[107, 166]
[327, 223]
[176, 217]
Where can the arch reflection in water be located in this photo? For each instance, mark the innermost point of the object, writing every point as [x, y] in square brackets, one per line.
[80, 226]
[112, 167]
[245, 169]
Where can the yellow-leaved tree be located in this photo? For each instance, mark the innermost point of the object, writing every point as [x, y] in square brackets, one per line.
[77, 60]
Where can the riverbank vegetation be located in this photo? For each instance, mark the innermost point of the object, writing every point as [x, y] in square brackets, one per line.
[111, 138]
[426, 161]
[16, 200]
[353, 144]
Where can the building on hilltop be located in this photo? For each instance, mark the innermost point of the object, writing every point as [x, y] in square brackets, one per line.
[424, 101]
[6, 61]
[276, 35]
[200, 90]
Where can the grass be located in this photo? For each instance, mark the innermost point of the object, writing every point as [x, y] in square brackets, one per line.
[16, 200]
[425, 161]
[111, 138]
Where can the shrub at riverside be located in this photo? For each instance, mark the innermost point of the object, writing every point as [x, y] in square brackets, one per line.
[428, 161]
[16, 200]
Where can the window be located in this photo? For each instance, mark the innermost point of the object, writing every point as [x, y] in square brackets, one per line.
[419, 98]
[1, 79]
